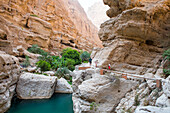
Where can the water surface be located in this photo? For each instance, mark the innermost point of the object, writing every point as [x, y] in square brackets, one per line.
[59, 103]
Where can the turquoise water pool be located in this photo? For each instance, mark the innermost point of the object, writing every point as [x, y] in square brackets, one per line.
[59, 103]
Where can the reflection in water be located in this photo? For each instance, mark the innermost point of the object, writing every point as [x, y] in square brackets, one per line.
[59, 103]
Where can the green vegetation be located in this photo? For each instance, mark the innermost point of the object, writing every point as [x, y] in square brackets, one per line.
[93, 106]
[166, 56]
[47, 62]
[63, 72]
[33, 15]
[69, 53]
[85, 61]
[85, 56]
[129, 111]
[166, 71]
[43, 65]
[26, 62]
[70, 64]
[137, 102]
[37, 50]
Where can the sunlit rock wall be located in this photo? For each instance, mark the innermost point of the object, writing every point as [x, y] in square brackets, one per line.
[52, 24]
[135, 37]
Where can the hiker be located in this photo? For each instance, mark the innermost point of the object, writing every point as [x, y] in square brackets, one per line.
[96, 62]
[109, 66]
[90, 61]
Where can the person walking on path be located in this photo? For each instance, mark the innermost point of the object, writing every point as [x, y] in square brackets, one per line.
[109, 66]
[90, 61]
[96, 62]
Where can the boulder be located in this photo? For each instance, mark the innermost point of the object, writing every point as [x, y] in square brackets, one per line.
[31, 69]
[163, 101]
[166, 87]
[34, 86]
[151, 109]
[104, 92]
[50, 73]
[63, 86]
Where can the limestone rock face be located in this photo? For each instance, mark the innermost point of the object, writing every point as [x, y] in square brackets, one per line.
[9, 74]
[34, 86]
[98, 94]
[135, 38]
[163, 101]
[51, 24]
[63, 86]
[166, 87]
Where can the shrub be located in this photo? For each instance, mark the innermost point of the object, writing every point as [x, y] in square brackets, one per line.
[62, 72]
[85, 61]
[69, 53]
[26, 62]
[93, 106]
[166, 54]
[70, 64]
[166, 72]
[37, 50]
[85, 56]
[43, 65]
[71, 67]
[137, 102]
[56, 64]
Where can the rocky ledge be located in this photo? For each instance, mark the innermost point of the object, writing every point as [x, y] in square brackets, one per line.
[93, 92]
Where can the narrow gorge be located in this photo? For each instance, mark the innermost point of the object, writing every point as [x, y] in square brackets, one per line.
[54, 59]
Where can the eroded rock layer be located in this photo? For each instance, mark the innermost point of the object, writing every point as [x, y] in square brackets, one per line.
[9, 74]
[52, 24]
[136, 35]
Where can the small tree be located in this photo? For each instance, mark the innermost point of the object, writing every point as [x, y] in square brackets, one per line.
[37, 50]
[166, 55]
[63, 72]
[43, 65]
[26, 62]
[85, 56]
[69, 53]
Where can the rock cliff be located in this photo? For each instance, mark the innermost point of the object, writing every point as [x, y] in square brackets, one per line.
[9, 74]
[135, 36]
[52, 24]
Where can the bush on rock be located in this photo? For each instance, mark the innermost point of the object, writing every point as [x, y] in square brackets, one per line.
[85, 56]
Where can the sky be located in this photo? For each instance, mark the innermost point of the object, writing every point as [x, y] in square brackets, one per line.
[87, 3]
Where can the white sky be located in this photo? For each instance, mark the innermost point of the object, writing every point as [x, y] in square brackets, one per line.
[87, 3]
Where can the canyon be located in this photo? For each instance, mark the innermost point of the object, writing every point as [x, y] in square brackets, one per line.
[132, 41]
[51, 24]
